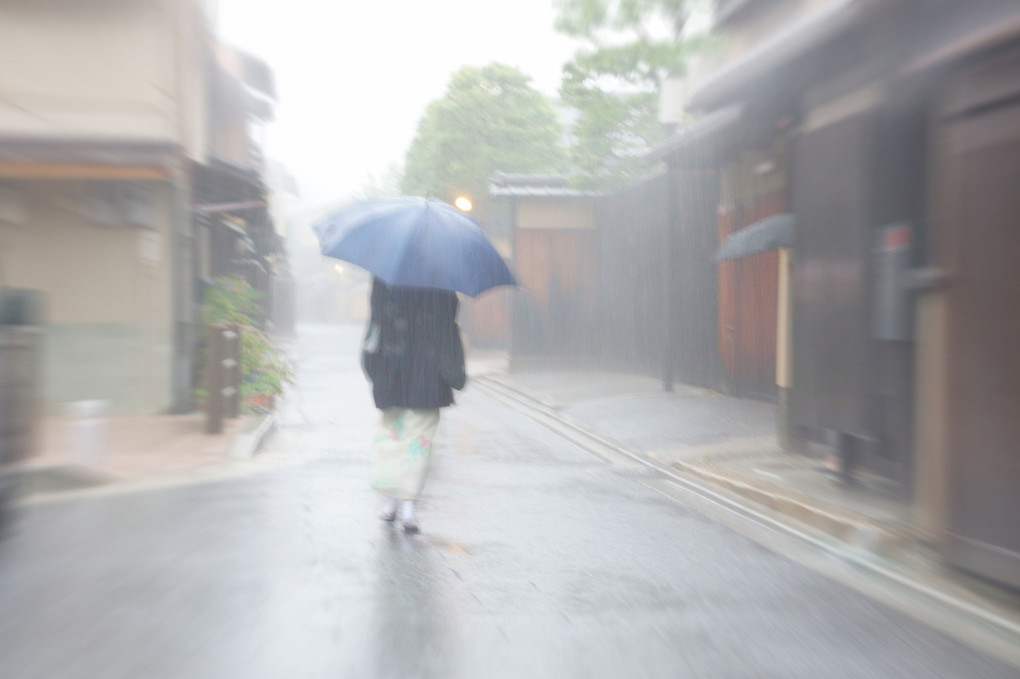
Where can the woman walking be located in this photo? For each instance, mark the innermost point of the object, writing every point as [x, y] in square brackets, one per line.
[414, 358]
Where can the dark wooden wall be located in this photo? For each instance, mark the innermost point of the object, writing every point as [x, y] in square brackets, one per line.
[658, 292]
[748, 306]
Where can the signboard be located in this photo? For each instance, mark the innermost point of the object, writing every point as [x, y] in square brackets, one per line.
[893, 310]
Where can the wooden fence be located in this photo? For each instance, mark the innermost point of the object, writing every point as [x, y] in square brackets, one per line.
[658, 283]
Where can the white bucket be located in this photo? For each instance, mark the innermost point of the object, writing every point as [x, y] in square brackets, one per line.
[88, 435]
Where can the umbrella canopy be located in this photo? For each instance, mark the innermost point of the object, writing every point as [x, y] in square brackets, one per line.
[414, 242]
[767, 234]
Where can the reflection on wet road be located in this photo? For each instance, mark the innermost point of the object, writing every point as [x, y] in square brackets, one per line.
[535, 560]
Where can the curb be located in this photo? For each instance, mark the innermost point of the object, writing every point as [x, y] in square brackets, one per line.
[862, 544]
[861, 532]
[41, 479]
[56, 480]
[508, 383]
[248, 443]
[855, 530]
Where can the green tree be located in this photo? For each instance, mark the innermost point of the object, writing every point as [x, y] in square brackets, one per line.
[631, 47]
[489, 120]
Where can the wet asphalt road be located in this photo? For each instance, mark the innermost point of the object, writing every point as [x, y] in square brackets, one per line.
[536, 560]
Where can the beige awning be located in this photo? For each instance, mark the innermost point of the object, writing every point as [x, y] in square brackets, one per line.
[11, 170]
[101, 160]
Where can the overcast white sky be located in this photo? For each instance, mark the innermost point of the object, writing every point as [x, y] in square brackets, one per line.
[355, 76]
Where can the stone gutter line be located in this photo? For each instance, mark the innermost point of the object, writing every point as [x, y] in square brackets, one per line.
[248, 443]
[853, 535]
[878, 539]
[845, 526]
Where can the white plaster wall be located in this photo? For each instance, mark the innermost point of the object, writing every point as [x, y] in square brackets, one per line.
[89, 69]
[555, 213]
[107, 291]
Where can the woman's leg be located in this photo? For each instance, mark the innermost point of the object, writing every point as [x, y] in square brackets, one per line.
[420, 431]
[386, 468]
[389, 508]
[403, 448]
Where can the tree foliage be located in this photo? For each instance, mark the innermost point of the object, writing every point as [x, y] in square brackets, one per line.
[489, 120]
[631, 47]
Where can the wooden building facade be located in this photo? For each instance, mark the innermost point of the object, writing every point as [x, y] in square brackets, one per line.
[837, 232]
[900, 120]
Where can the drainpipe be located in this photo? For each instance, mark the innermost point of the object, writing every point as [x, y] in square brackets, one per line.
[183, 267]
[180, 237]
[669, 276]
[514, 294]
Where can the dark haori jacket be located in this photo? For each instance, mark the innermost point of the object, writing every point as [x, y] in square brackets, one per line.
[412, 352]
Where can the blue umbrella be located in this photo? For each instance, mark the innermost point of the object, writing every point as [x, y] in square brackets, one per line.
[415, 242]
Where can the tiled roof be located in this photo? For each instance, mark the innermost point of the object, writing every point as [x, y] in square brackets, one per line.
[504, 185]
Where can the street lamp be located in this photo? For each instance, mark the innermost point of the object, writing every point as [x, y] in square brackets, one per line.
[463, 203]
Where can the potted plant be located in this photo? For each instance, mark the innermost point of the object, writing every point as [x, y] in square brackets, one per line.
[265, 372]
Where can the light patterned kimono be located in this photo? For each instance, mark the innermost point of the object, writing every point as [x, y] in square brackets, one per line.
[403, 446]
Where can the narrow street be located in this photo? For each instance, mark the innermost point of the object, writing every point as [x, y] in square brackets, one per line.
[535, 560]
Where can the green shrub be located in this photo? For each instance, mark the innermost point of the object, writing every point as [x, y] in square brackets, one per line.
[264, 370]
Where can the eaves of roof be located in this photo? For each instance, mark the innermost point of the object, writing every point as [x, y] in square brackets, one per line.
[696, 133]
[784, 46]
[538, 192]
